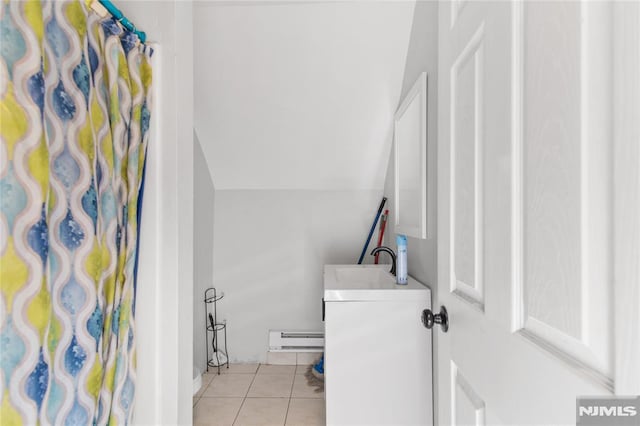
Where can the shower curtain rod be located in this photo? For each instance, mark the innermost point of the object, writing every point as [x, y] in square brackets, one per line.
[102, 6]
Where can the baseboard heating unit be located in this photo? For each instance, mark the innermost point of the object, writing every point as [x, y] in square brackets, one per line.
[296, 341]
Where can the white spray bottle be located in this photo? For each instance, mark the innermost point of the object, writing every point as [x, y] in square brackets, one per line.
[401, 260]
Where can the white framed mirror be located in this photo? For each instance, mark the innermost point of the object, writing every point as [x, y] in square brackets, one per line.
[410, 145]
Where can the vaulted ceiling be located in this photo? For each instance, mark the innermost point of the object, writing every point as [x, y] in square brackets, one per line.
[298, 94]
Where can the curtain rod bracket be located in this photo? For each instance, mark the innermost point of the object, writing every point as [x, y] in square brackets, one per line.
[105, 8]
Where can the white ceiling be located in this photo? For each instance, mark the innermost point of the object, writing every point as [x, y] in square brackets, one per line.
[298, 95]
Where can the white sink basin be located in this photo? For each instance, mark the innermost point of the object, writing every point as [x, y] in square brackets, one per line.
[365, 282]
[364, 275]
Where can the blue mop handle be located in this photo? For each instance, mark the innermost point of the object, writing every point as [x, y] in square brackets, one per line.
[373, 227]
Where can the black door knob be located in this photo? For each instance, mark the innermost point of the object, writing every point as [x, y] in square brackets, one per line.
[442, 318]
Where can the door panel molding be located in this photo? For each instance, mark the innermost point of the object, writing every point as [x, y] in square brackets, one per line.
[466, 272]
[584, 342]
[552, 341]
[464, 396]
[456, 10]
[517, 202]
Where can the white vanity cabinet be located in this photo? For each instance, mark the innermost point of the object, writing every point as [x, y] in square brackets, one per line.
[378, 363]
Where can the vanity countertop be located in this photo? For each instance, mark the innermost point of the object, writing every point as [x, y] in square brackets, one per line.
[367, 283]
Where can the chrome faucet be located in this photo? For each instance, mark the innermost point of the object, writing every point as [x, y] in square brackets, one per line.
[391, 253]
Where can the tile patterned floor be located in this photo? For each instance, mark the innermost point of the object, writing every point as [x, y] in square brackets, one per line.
[253, 394]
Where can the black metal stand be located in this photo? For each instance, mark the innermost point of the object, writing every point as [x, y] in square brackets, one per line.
[220, 356]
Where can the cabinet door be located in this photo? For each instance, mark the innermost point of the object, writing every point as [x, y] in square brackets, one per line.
[377, 364]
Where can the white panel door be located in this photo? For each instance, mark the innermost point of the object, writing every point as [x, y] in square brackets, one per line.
[538, 208]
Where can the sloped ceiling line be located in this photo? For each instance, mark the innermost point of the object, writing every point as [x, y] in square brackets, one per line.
[299, 95]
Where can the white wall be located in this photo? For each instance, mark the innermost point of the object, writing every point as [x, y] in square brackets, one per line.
[203, 211]
[422, 56]
[165, 285]
[294, 109]
[268, 255]
[298, 95]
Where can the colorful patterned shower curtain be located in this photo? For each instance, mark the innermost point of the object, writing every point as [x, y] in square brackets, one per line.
[74, 126]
